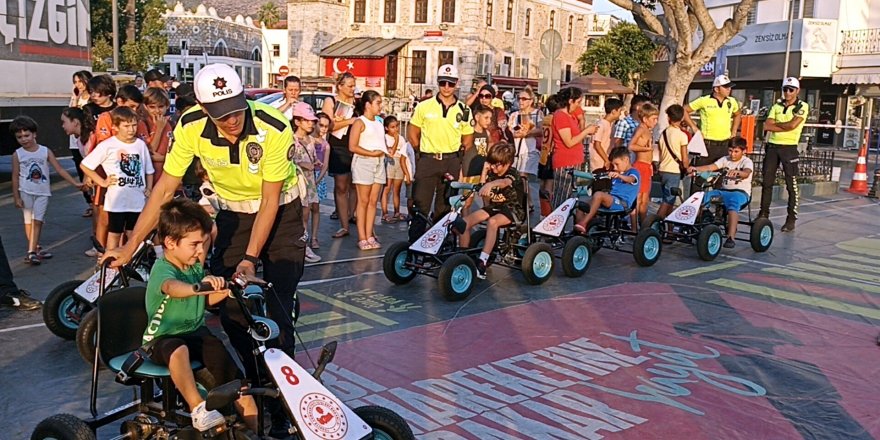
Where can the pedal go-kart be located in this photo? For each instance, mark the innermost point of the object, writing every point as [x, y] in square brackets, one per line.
[576, 249]
[611, 230]
[437, 253]
[315, 412]
[68, 304]
[706, 225]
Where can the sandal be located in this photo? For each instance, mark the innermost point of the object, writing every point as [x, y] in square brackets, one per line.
[342, 232]
[579, 230]
[402, 217]
[365, 245]
[315, 244]
[334, 216]
[389, 219]
[88, 212]
[373, 243]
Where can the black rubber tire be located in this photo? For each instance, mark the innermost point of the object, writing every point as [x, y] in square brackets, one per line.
[703, 242]
[568, 252]
[646, 236]
[63, 427]
[61, 296]
[652, 221]
[533, 252]
[478, 238]
[386, 424]
[85, 336]
[595, 242]
[389, 263]
[445, 281]
[755, 235]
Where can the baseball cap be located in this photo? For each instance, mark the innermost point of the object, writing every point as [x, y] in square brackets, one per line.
[304, 110]
[219, 90]
[791, 82]
[722, 80]
[447, 72]
[155, 75]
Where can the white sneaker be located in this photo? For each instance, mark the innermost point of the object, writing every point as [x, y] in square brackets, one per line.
[204, 420]
[311, 256]
[91, 252]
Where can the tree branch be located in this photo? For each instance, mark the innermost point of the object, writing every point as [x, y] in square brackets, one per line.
[701, 13]
[650, 20]
[733, 26]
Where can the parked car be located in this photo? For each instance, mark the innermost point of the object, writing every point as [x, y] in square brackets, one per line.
[254, 94]
[314, 98]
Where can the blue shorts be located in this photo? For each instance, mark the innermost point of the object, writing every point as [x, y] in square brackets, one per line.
[667, 182]
[617, 205]
[733, 200]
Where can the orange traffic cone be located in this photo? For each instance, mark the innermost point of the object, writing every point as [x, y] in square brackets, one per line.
[859, 184]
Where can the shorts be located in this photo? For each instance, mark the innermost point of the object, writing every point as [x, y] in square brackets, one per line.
[35, 207]
[393, 169]
[504, 210]
[119, 222]
[667, 182]
[545, 172]
[367, 170]
[527, 161]
[99, 196]
[203, 347]
[733, 200]
[646, 171]
[617, 205]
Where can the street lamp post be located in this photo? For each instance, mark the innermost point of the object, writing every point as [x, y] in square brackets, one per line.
[115, 18]
[788, 43]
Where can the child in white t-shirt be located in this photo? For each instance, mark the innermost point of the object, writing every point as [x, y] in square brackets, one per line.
[30, 183]
[397, 170]
[126, 160]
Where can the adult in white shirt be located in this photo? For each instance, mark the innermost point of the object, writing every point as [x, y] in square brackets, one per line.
[292, 89]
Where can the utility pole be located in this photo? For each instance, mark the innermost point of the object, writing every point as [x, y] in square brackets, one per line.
[788, 43]
[115, 18]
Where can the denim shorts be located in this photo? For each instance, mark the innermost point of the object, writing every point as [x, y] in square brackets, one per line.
[667, 182]
[733, 200]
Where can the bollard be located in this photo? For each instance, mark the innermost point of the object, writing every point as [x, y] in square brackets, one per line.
[875, 187]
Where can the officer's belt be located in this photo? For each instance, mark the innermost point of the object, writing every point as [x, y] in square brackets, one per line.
[252, 206]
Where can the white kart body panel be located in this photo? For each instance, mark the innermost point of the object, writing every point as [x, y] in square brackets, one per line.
[554, 224]
[318, 413]
[431, 241]
[687, 213]
[88, 290]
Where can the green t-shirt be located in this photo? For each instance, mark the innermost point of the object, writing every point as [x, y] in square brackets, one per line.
[173, 316]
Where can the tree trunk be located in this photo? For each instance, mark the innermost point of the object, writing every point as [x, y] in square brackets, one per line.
[130, 9]
[680, 75]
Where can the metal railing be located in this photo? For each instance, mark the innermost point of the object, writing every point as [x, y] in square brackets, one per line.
[813, 166]
[861, 42]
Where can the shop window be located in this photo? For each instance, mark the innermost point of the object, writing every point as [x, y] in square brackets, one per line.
[489, 11]
[276, 50]
[752, 18]
[390, 11]
[509, 19]
[445, 57]
[448, 14]
[360, 11]
[421, 11]
[419, 66]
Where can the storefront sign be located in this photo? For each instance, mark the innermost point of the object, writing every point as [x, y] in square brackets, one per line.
[708, 69]
[433, 37]
[812, 35]
[50, 31]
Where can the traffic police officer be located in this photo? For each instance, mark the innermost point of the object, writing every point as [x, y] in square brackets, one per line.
[785, 121]
[719, 118]
[246, 148]
[438, 130]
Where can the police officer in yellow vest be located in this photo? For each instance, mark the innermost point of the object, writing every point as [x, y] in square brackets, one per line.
[785, 122]
[719, 118]
[246, 149]
[439, 131]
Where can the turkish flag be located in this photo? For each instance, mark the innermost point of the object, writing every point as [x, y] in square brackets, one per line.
[360, 67]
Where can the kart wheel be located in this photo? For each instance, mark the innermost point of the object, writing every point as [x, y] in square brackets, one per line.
[86, 335]
[537, 264]
[653, 222]
[576, 256]
[62, 427]
[456, 277]
[647, 247]
[761, 236]
[393, 263]
[709, 242]
[594, 232]
[63, 310]
[386, 424]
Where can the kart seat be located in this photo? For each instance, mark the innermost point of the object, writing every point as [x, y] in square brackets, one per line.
[122, 317]
[625, 213]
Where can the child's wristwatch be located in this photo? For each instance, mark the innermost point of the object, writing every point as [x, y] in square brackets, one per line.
[251, 259]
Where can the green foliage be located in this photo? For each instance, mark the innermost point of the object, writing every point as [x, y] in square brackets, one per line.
[102, 50]
[151, 42]
[621, 54]
[269, 14]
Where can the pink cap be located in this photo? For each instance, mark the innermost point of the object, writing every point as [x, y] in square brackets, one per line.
[305, 111]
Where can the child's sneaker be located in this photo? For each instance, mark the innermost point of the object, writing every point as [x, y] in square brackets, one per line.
[44, 255]
[729, 244]
[204, 420]
[311, 256]
[92, 253]
[32, 258]
[481, 270]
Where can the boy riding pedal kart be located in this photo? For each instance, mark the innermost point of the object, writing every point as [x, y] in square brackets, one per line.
[624, 190]
[504, 197]
[736, 184]
[177, 333]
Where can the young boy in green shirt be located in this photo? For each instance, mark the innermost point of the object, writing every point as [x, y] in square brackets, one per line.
[176, 332]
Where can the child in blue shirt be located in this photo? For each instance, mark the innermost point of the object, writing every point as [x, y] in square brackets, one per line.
[624, 190]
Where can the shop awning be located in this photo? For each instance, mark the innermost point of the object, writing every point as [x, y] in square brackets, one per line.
[363, 47]
[514, 82]
[856, 75]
